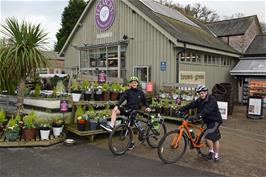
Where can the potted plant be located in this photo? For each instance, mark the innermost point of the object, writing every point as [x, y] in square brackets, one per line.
[57, 125]
[37, 90]
[81, 118]
[60, 88]
[75, 89]
[97, 91]
[87, 90]
[81, 122]
[106, 92]
[92, 120]
[2, 119]
[29, 129]
[45, 127]
[12, 130]
[115, 90]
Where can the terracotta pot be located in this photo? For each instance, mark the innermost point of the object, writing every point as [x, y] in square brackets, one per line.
[114, 96]
[29, 133]
[106, 96]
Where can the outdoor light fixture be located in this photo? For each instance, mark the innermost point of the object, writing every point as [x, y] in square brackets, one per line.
[125, 37]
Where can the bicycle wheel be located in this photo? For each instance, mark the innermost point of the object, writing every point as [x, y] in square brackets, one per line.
[154, 135]
[170, 152]
[204, 149]
[120, 139]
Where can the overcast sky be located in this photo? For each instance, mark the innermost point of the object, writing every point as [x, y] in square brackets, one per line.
[48, 12]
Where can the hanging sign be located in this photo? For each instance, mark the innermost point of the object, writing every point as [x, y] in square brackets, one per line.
[63, 106]
[105, 14]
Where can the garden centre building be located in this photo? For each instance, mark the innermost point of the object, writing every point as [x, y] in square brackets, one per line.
[149, 40]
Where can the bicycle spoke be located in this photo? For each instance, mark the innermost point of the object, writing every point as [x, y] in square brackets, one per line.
[169, 149]
[154, 136]
[120, 139]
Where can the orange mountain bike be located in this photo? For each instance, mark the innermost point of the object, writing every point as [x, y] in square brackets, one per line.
[173, 145]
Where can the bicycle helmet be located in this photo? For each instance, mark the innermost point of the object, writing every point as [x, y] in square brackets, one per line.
[133, 78]
[201, 88]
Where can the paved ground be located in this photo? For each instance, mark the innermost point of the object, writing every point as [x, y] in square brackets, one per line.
[83, 160]
[243, 154]
[243, 148]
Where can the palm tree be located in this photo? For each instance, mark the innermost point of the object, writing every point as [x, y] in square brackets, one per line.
[22, 54]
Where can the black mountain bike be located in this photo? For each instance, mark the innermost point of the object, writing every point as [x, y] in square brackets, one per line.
[122, 135]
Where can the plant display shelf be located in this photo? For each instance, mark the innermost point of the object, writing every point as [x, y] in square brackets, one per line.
[90, 133]
[20, 142]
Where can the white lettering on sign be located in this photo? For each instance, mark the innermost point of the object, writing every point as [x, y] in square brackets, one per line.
[104, 35]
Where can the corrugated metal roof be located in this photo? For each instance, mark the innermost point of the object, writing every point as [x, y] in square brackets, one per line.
[258, 45]
[169, 12]
[250, 66]
[232, 27]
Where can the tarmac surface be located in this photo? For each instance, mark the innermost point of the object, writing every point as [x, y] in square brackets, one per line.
[242, 154]
[242, 148]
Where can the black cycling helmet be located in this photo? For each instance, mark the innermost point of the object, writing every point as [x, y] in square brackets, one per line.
[133, 78]
[201, 88]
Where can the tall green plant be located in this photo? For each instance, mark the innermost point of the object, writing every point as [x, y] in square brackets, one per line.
[23, 54]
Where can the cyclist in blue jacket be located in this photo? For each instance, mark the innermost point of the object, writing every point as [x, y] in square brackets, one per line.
[208, 111]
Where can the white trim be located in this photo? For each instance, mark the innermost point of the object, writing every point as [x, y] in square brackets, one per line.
[206, 49]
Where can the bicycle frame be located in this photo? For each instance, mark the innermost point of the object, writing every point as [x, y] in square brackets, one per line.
[185, 127]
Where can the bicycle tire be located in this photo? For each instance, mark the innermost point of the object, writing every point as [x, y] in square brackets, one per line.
[120, 139]
[169, 154]
[204, 151]
[154, 136]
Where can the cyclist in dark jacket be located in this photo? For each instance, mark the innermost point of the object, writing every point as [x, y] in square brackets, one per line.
[134, 98]
[208, 111]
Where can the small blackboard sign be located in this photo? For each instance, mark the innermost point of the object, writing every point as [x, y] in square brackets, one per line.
[255, 108]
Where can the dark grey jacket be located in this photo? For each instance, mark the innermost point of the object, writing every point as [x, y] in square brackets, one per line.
[207, 109]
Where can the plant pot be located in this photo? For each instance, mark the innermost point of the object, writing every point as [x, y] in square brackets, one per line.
[106, 96]
[76, 97]
[98, 97]
[45, 134]
[81, 125]
[93, 124]
[11, 135]
[29, 133]
[87, 96]
[114, 96]
[57, 131]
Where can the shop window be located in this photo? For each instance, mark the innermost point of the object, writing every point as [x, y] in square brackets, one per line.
[198, 58]
[84, 59]
[182, 57]
[205, 59]
[193, 57]
[188, 57]
[209, 59]
[143, 73]
[112, 56]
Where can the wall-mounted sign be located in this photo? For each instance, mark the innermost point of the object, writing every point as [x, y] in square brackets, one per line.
[105, 14]
[163, 66]
[223, 108]
[255, 108]
[192, 77]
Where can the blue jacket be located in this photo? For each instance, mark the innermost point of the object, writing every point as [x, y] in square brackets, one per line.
[207, 109]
